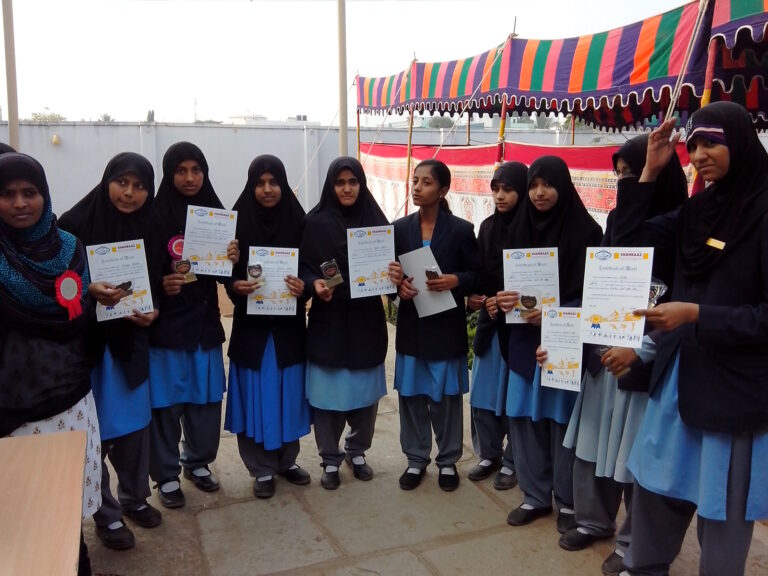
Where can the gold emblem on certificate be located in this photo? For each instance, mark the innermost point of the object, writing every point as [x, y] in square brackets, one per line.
[178, 264]
[331, 273]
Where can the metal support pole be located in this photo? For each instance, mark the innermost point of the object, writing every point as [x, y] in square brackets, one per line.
[10, 74]
[343, 137]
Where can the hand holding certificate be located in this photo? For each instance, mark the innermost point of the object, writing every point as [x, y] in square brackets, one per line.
[617, 282]
[207, 235]
[124, 266]
[533, 273]
[370, 250]
[268, 269]
[561, 338]
[418, 264]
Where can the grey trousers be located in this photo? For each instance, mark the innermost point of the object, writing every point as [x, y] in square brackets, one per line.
[201, 424]
[660, 523]
[129, 456]
[596, 501]
[419, 416]
[261, 462]
[543, 465]
[488, 432]
[329, 426]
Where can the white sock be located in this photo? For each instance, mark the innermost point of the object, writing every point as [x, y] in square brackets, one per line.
[201, 472]
[294, 467]
[507, 471]
[582, 530]
[170, 486]
[619, 552]
[263, 478]
[358, 460]
[142, 507]
[567, 511]
[484, 462]
[413, 471]
[115, 525]
[526, 507]
[448, 471]
[331, 468]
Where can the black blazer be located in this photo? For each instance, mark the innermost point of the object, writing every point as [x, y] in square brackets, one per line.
[441, 336]
[723, 382]
[345, 332]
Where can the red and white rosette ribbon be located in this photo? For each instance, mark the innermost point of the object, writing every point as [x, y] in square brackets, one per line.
[69, 293]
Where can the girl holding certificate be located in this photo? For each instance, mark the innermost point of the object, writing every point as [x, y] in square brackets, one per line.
[488, 390]
[346, 338]
[702, 446]
[266, 404]
[186, 378]
[609, 409]
[45, 384]
[118, 209]
[550, 215]
[431, 372]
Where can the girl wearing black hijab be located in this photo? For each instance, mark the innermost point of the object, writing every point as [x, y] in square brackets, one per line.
[431, 374]
[550, 215]
[609, 409]
[703, 442]
[186, 379]
[490, 374]
[266, 404]
[346, 338]
[44, 309]
[118, 209]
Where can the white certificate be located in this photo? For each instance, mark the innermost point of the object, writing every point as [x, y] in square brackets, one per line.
[532, 272]
[206, 237]
[270, 266]
[617, 281]
[370, 250]
[122, 264]
[561, 338]
[428, 302]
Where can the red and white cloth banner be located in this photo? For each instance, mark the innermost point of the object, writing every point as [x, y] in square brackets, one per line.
[472, 167]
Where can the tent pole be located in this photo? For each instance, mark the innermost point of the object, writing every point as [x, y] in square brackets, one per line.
[469, 121]
[408, 160]
[10, 74]
[358, 134]
[502, 130]
[573, 130]
[713, 48]
[342, 23]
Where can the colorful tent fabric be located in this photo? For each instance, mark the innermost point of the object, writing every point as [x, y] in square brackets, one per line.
[611, 79]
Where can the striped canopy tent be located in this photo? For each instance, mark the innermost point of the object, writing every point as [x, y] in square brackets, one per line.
[612, 79]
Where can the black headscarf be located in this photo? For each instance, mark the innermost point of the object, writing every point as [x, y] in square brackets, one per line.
[31, 261]
[496, 228]
[335, 218]
[169, 216]
[260, 226]
[6, 148]
[95, 220]
[730, 208]
[570, 228]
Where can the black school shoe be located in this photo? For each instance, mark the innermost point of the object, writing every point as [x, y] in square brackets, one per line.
[173, 499]
[264, 488]
[147, 517]
[330, 480]
[409, 480]
[521, 516]
[505, 481]
[448, 482]
[206, 483]
[575, 539]
[361, 471]
[118, 539]
[297, 476]
[566, 522]
[613, 565]
[478, 472]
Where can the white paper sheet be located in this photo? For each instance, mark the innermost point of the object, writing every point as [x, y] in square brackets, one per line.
[561, 338]
[370, 250]
[273, 298]
[207, 234]
[119, 263]
[427, 302]
[616, 282]
[533, 272]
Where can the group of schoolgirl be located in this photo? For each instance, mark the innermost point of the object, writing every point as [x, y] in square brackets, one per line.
[685, 432]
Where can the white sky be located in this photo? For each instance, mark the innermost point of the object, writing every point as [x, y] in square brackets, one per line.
[82, 58]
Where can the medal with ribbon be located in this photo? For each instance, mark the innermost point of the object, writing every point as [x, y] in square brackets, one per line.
[69, 292]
